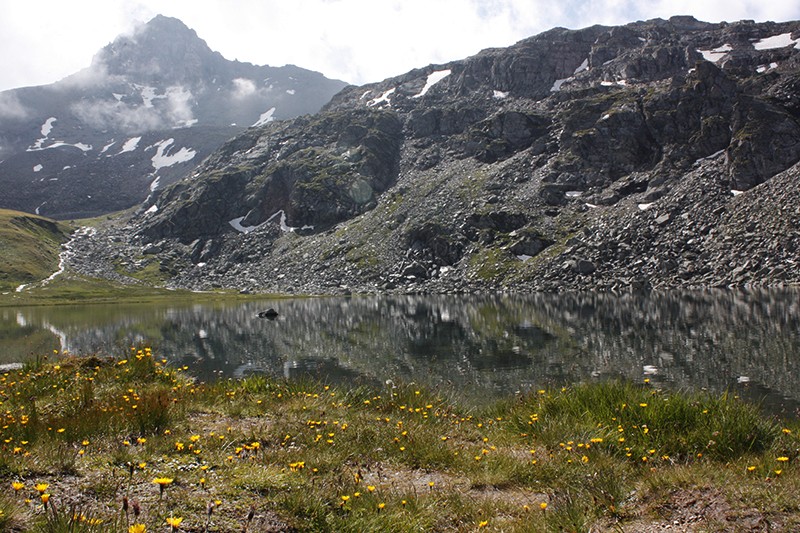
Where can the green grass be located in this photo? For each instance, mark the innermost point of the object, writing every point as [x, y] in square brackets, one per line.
[29, 247]
[71, 289]
[313, 457]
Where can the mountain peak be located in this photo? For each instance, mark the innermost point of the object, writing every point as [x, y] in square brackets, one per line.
[163, 48]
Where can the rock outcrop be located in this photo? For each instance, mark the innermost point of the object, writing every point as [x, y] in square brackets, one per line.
[658, 154]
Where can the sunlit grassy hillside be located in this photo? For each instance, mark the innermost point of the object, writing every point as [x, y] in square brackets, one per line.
[29, 247]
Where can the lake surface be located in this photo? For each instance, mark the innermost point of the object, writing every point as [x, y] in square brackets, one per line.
[475, 346]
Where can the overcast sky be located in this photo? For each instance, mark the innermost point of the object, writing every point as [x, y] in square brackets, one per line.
[358, 41]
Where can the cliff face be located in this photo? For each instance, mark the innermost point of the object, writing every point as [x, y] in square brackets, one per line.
[657, 154]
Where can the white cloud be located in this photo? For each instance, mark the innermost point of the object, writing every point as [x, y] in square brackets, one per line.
[11, 107]
[179, 105]
[355, 40]
[242, 88]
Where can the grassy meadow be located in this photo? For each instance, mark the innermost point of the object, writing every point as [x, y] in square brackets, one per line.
[29, 247]
[129, 444]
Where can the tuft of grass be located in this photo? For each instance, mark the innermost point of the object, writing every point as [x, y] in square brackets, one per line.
[635, 419]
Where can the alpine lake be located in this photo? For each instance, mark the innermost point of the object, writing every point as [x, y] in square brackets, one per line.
[474, 347]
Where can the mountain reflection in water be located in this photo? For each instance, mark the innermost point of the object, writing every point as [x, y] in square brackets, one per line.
[475, 346]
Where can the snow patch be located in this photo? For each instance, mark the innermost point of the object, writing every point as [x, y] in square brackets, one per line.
[715, 54]
[162, 159]
[130, 145]
[776, 41]
[118, 96]
[47, 127]
[736, 192]
[58, 144]
[38, 168]
[237, 225]
[645, 207]
[763, 68]
[266, 116]
[433, 79]
[290, 91]
[153, 209]
[573, 194]
[106, 147]
[45, 130]
[382, 98]
[499, 94]
[583, 66]
[154, 183]
[558, 83]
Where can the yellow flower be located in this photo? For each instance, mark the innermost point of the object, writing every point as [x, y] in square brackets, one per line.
[751, 468]
[782, 459]
[483, 523]
[371, 488]
[45, 498]
[41, 487]
[17, 485]
[543, 506]
[174, 522]
[137, 528]
[381, 506]
[162, 483]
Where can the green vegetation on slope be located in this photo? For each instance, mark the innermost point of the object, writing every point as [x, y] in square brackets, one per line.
[29, 247]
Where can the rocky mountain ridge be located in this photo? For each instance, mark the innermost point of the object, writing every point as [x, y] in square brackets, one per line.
[149, 109]
[658, 154]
